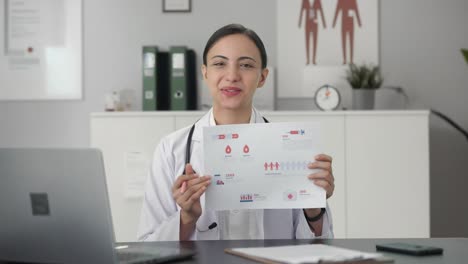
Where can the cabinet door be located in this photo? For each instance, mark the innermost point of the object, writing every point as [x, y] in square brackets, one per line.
[127, 144]
[387, 159]
[332, 138]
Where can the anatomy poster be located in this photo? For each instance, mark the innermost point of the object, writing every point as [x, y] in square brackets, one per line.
[317, 39]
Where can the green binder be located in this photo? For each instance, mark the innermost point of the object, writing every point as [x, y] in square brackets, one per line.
[178, 80]
[150, 78]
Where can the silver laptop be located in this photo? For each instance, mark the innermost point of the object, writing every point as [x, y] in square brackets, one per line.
[54, 208]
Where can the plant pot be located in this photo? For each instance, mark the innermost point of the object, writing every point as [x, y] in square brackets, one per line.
[363, 99]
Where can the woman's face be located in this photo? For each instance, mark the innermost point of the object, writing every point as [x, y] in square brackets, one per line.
[233, 72]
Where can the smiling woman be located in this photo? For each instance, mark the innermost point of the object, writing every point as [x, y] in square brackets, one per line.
[234, 67]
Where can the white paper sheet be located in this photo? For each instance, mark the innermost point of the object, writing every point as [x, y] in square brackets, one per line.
[136, 170]
[307, 253]
[259, 166]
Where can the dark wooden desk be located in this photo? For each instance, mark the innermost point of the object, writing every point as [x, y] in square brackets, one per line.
[455, 249]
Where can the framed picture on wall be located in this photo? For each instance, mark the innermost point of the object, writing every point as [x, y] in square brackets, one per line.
[318, 39]
[177, 6]
[41, 50]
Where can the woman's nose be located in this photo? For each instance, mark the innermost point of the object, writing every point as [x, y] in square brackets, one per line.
[232, 74]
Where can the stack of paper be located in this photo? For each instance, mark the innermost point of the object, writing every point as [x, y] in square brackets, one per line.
[314, 253]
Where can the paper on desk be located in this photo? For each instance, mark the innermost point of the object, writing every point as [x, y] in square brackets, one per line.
[314, 253]
[258, 166]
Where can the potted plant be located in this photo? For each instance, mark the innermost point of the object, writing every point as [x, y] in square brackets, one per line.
[364, 79]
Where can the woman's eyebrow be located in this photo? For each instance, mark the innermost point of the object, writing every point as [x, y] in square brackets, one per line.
[219, 56]
[239, 59]
[246, 58]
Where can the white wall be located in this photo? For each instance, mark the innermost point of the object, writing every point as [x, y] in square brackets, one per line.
[114, 31]
[420, 43]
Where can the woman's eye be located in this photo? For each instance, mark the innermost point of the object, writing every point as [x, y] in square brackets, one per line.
[218, 64]
[247, 65]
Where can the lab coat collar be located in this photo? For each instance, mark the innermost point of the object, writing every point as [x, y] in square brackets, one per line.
[208, 120]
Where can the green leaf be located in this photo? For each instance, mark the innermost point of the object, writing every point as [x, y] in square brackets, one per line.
[364, 76]
[465, 54]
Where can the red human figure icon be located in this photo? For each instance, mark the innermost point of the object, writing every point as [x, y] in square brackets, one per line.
[271, 165]
[311, 25]
[266, 166]
[346, 7]
[277, 165]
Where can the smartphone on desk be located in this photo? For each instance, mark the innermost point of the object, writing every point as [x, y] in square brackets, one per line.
[409, 249]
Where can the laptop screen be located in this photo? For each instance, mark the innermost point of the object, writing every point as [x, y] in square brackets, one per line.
[54, 206]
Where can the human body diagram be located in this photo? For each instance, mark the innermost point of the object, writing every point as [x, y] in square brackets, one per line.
[349, 11]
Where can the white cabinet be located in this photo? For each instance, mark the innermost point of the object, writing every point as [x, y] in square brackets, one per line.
[380, 164]
[387, 175]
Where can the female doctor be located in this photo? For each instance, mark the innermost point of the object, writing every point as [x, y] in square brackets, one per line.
[234, 66]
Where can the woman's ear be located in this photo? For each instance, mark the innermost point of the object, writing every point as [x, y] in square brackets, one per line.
[263, 77]
[203, 70]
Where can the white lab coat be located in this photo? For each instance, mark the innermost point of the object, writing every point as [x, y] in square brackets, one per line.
[160, 214]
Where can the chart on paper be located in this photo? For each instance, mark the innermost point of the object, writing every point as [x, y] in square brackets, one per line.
[260, 166]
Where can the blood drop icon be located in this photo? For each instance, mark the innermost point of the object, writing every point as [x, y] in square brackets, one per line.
[246, 149]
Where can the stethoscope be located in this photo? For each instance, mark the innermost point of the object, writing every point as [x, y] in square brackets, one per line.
[187, 160]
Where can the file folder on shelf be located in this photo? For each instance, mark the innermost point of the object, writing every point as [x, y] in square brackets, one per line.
[155, 79]
[149, 77]
[183, 92]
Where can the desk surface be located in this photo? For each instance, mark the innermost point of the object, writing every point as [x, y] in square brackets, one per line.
[455, 249]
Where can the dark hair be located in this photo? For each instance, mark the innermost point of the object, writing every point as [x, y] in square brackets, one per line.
[232, 29]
